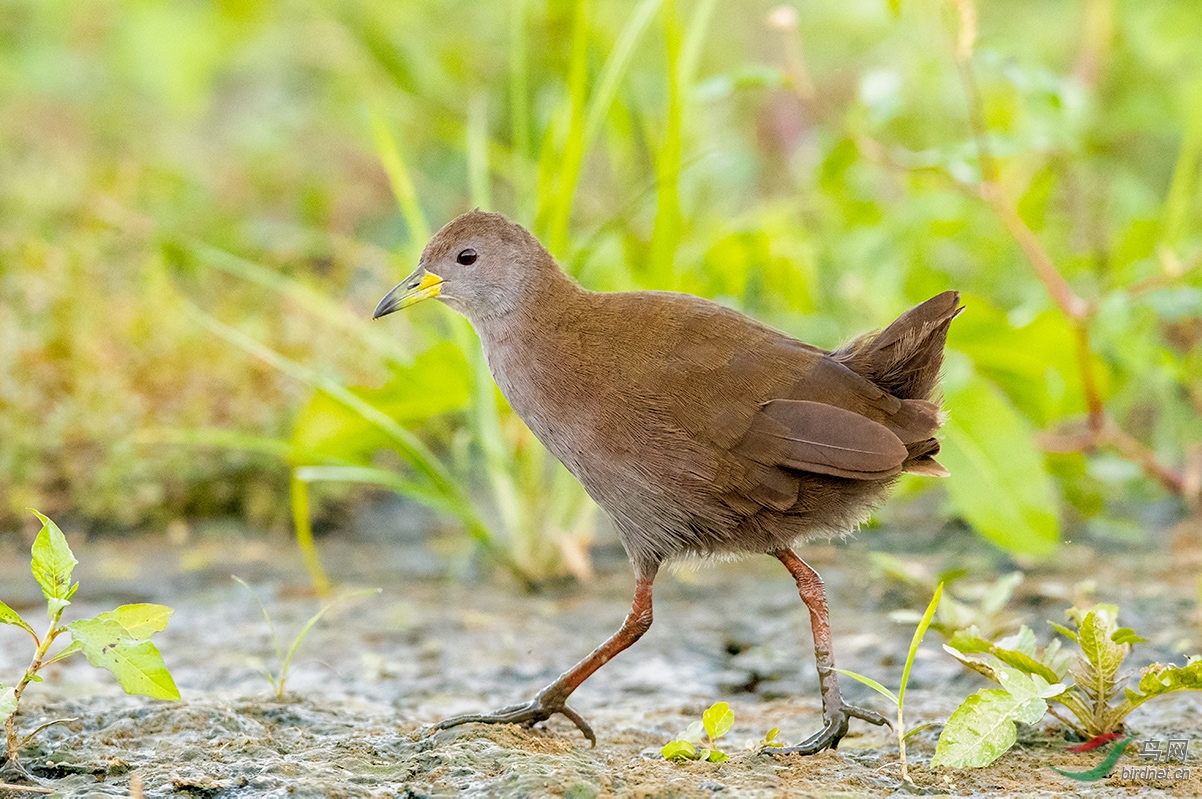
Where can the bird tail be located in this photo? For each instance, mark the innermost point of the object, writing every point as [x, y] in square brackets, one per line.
[904, 359]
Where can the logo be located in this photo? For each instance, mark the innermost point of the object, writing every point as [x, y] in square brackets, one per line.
[1154, 751]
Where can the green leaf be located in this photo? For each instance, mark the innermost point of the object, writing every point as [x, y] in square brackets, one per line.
[718, 720]
[919, 728]
[67, 651]
[1125, 635]
[693, 733]
[979, 665]
[53, 565]
[999, 481]
[1103, 653]
[1022, 656]
[679, 750]
[10, 616]
[1022, 641]
[1065, 631]
[137, 664]
[438, 382]
[1056, 659]
[982, 728]
[1028, 362]
[999, 593]
[715, 756]
[1025, 663]
[8, 701]
[1160, 679]
[919, 632]
[771, 736]
[139, 621]
[871, 683]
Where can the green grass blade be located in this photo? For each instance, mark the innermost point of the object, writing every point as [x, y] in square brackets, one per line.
[286, 664]
[1183, 186]
[302, 523]
[313, 301]
[369, 475]
[398, 176]
[610, 78]
[871, 683]
[519, 100]
[408, 445]
[919, 632]
[216, 437]
[665, 235]
[477, 151]
[919, 729]
[694, 40]
[1101, 770]
[584, 126]
[275, 640]
[573, 148]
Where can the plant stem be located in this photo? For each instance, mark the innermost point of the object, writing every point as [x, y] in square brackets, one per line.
[1103, 431]
[901, 744]
[39, 655]
[1067, 722]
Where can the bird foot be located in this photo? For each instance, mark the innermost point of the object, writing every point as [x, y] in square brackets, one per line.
[832, 732]
[527, 715]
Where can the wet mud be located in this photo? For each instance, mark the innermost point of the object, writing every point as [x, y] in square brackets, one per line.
[375, 672]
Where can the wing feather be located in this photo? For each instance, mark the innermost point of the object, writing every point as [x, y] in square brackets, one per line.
[823, 439]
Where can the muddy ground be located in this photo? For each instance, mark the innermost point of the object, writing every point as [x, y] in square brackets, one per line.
[375, 672]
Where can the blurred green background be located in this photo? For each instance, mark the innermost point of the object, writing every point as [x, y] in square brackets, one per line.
[201, 203]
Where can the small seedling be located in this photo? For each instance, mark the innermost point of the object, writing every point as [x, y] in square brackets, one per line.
[965, 603]
[899, 699]
[700, 740]
[279, 679]
[1033, 679]
[118, 640]
[767, 742]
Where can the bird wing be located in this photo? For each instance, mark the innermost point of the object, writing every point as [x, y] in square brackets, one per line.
[823, 439]
[778, 404]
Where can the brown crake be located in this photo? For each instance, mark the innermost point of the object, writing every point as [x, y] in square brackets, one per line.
[700, 431]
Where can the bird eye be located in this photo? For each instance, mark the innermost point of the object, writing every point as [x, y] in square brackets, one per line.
[467, 257]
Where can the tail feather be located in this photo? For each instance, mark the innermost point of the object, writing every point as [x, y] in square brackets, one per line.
[921, 459]
[904, 359]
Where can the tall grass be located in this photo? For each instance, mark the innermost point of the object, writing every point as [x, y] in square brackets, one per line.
[309, 151]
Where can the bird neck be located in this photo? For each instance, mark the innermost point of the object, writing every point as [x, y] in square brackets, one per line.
[542, 303]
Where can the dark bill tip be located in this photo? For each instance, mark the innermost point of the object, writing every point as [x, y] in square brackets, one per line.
[390, 303]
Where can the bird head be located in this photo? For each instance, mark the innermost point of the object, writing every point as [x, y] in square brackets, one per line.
[481, 264]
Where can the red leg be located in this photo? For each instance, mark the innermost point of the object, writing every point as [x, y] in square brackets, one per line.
[835, 713]
[553, 699]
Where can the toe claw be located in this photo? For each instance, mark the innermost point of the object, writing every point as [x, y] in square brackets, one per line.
[581, 725]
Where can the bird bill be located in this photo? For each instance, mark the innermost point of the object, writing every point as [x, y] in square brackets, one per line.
[421, 285]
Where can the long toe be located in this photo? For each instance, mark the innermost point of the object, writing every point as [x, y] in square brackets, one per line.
[527, 715]
[863, 714]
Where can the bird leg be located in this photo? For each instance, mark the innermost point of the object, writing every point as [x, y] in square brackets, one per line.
[835, 713]
[553, 699]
